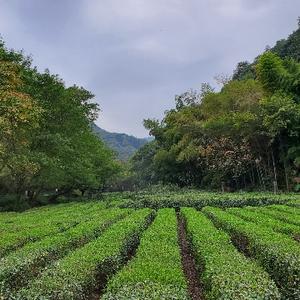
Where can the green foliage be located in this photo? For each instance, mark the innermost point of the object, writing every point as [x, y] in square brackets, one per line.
[22, 265]
[267, 221]
[269, 71]
[67, 251]
[75, 276]
[246, 136]
[226, 273]
[286, 209]
[289, 47]
[210, 141]
[162, 197]
[281, 114]
[23, 229]
[156, 271]
[244, 70]
[143, 160]
[46, 141]
[276, 252]
[284, 48]
[19, 115]
[282, 213]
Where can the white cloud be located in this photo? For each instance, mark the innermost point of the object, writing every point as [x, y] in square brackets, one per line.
[129, 13]
[136, 54]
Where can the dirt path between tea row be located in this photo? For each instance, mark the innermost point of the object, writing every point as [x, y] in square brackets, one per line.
[188, 263]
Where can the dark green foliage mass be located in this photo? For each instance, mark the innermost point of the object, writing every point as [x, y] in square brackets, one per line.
[289, 47]
[46, 142]
[246, 136]
[284, 48]
[123, 144]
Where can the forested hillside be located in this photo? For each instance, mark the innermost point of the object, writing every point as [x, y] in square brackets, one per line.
[246, 136]
[284, 48]
[290, 47]
[123, 144]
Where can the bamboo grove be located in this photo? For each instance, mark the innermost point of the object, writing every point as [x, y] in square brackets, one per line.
[245, 136]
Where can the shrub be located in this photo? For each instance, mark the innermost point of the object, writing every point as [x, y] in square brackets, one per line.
[224, 271]
[33, 226]
[259, 218]
[22, 265]
[156, 271]
[75, 276]
[282, 215]
[276, 252]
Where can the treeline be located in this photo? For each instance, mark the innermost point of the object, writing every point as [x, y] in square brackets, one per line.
[246, 136]
[46, 141]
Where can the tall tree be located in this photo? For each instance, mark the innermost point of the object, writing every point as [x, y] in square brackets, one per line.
[46, 141]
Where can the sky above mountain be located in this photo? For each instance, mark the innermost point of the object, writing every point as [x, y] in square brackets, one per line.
[135, 55]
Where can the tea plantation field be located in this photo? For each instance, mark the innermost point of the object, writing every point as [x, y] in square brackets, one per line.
[154, 246]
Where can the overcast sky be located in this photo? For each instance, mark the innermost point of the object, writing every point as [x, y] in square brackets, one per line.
[135, 55]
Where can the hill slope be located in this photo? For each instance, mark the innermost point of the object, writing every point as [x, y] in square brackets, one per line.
[125, 145]
[285, 48]
[289, 47]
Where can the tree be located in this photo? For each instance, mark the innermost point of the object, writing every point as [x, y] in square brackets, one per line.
[142, 164]
[281, 106]
[46, 141]
[247, 134]
[241, 135]
[244, 70]
[19, 114]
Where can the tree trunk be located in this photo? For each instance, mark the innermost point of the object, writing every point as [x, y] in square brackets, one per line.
[283, 155]
[32, 197]
[252, 177]
[286, 175]
[83, 192]
[222, 186]
[53, 198]
[275, 172]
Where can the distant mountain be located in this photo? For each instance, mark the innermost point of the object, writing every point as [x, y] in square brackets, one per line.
[123, 144]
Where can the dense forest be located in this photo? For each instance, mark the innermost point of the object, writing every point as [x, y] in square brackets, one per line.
[46, 142]
[245, 136]
[123, 144]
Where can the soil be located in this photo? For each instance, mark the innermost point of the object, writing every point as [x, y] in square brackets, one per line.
[241, 243]
[102, 279]
[188, 262]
